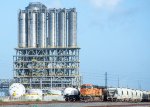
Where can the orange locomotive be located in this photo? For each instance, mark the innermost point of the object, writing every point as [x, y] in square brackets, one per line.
[91, 92]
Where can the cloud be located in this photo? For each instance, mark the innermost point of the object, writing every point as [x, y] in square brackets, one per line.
[105, 4]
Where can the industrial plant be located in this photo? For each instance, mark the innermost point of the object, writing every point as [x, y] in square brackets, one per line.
[47, 55]
[46, 65]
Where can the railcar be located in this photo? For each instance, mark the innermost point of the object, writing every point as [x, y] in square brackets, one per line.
[72, 94]
[124, 94]
[148, 96]
[145, 96]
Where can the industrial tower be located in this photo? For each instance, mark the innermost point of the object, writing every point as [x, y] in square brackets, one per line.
[47, 56]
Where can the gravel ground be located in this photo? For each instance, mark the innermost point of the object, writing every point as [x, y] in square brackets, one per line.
[95, 104]
[89, 104]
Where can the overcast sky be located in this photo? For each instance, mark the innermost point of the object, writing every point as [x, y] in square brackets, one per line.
[114, 37]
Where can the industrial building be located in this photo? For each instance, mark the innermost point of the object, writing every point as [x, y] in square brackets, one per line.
[47, 56]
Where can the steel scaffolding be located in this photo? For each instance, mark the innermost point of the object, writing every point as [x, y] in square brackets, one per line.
[47, 68]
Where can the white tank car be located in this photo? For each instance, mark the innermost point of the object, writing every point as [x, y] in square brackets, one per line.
[71, 91]
[71, 94]
[16, 90]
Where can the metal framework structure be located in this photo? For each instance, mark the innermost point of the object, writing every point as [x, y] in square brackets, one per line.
[47, 68]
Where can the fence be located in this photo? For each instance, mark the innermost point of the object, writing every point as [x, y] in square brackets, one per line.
[33, 98]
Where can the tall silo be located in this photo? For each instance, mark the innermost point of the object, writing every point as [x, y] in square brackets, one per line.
[42, 30]
[22, 35]
[36, 25]
[62, 28]
[52, 28]
[32, 30]
[72, 28]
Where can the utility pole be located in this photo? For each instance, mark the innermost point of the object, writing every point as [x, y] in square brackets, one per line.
[118, 82]
[106, 80]
[139, 84]
[106, 84]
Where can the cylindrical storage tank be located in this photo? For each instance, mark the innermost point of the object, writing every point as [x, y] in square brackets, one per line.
[54, 92]
[16, 90]
[22, 36]
[62, 28]
[52, 28]
[42, 30]
[72, 28]
[32, 30]
[35, 92]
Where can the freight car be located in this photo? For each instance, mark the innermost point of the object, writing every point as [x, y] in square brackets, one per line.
[72, 94]
[124, 94]
[146, 96]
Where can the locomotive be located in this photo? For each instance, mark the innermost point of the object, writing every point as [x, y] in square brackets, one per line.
[90, 92]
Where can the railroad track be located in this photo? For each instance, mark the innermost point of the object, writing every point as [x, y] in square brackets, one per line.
[73, 104]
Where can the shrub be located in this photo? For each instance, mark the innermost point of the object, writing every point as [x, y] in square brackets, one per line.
[54, 100]
[37, 100]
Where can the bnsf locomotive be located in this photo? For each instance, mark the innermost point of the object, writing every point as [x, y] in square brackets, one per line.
[89, 92]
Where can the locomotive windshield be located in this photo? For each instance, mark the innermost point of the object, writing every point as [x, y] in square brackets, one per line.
[86, 86]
